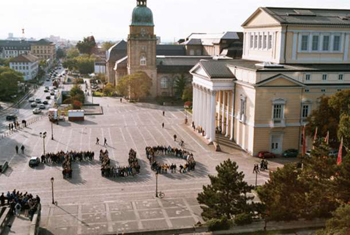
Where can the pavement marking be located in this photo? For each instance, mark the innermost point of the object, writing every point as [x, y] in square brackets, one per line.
[155, 141]
[111, 146]
[122, 134]
[137, 215]
[80, 219]
[194, 216]
[191, 138]
[165, 214]
[69, 140]
[109, 218]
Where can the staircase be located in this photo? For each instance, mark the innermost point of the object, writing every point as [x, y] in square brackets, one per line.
[226, 143]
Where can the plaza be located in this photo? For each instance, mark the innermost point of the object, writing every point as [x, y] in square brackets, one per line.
[89, 203]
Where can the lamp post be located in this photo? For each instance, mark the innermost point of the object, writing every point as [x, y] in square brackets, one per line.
[53, 199]
[43, 136]
[157, 183]
[51, 130]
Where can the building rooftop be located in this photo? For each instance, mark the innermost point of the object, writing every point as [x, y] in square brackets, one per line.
[169, 50]
[211, 38]
[25, 58]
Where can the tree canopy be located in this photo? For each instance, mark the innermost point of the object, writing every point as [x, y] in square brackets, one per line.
[60, 53]
[226, 196]
[87, 45]
[339, 223]
[83, 63]
[180, 85]
[9, 80]
[106, 45]
[135, 86]
[72, 52]
[187, 94]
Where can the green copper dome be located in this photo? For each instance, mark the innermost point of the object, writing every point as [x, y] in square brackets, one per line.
[142, 15]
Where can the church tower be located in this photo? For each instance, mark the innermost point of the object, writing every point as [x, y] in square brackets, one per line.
[142, 44]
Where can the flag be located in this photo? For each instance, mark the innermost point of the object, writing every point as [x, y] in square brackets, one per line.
[327, 138]
[304, 141]
[340, 152]
[315, 137]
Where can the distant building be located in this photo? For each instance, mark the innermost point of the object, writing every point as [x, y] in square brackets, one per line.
[26, 64]
[11, 49]
[44, 49]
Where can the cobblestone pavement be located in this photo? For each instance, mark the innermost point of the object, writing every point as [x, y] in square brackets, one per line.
[91, 204]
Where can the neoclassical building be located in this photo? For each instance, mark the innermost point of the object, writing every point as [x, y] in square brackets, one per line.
[291, 57]
[163, 63]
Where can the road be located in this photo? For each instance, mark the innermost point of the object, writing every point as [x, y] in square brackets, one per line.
[25, 111]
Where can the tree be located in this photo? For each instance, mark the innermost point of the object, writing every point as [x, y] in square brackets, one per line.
[101, 77]
[180, 85]
[9, 80]
[106, 45]
[85, 64]
[72, 53]
[187, 93]
[136, 85]
[70, 64]
[87, 45]
[339, 224]
[108, 89]
[227, 194]
[76, 93]
[77, 104]
[5, 62]
[60, 53]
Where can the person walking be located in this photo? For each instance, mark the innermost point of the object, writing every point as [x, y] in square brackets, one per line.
[163, 113]
[22, 148]
[17, 149]
[121, 100]
[18, 208]
[175, 138]
[163, 125]
[97, 140]
[105, 142]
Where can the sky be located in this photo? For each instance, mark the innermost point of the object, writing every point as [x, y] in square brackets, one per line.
[109, 19]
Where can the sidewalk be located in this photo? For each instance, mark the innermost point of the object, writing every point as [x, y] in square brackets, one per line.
[19, 225]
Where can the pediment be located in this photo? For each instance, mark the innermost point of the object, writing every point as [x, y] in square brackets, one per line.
[280, 80]
[260, 18]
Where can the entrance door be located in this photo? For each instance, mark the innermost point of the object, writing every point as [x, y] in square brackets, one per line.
[276, 144]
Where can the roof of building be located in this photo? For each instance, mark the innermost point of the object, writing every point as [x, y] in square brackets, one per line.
[309, 16]
[119, 47]
[193, 41]
[212, 38]
[217, 68]
[170, 50]
[43, 42]
[142, 15]
[15, 43]
[177, 64]
[25, 58]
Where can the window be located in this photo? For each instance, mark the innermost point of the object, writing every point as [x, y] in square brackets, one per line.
[191, 52]
[277, 111]
[340, 76]
[339, 90]
[307, 77]
[305, 110]
[269, 45]
[315, 40]
[260, 41]
[242, 109]
[325, 46]
[251, 41]
[164, 83]
[307, 90]
[143, 61]
[265, 41]
[304, 42]
[324, 77]
[323, 90]
[336, 43]
[255, 41]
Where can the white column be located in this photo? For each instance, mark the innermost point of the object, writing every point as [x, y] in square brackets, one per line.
[195, 105]
[223, 112]
[204, 111]
[212, 116]
[200, 107]
[227, 113]
[219, 106]
[208, 118]
[232, 114]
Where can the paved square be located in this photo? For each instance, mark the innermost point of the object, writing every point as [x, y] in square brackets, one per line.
[91, 204]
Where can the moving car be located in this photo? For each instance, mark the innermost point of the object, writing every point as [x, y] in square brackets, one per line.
[52, 93]
[36, 111]
[33, 105]
[38, 100]
[48, 97]
[266, 154]
[46, 90]
[34, 161]
[45, 102]
[42, 106]
[11, 118]
[31, 100]
[290, 153]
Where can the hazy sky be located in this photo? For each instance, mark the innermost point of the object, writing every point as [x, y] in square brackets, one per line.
[109, 19]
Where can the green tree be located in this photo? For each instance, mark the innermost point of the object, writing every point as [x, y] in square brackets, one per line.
[9, 80]
[339, 224]
[85, 64]
[227, 194]
[5, 62]
[60, 53]
[187, 93]
[108, 89]
[72, 53]
[135, 86]
[87, 45]
[180, 85]
[106, 45]
[76, 93]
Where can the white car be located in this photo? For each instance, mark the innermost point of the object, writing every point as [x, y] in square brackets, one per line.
[38, 100]
[31, 100]
[36, 111]
[33, 105]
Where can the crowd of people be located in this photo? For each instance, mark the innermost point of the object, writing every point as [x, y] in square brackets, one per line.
[21, 202]
[119, 171]
[152, 152]
[61, 156]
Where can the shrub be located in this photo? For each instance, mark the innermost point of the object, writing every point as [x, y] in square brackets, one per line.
[243, 219]
[77, 104]
[188, 104]
[97, 94]
[219, 224]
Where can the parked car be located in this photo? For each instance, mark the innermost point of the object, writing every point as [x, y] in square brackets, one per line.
[11, 118]
[3, 166]
[31, 100]
[52, 93]
[42, 106]
[290, 153]
[45, 102]
[48, 97]
[38, 100]
[34, 161]
[46, 90]
[33, 105]
[266, 154]
[36, 111]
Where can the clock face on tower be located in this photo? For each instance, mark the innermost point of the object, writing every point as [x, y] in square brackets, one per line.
[143, 31]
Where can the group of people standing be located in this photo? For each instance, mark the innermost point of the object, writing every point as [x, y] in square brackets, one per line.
[73, 155]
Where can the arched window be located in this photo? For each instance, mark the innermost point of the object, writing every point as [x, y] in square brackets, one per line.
[191, 52]
[164, 83]
[143, 61]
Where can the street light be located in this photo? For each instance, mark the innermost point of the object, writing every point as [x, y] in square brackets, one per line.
[43, 136]
[157, 183]
[53, 199]
[51, 130]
